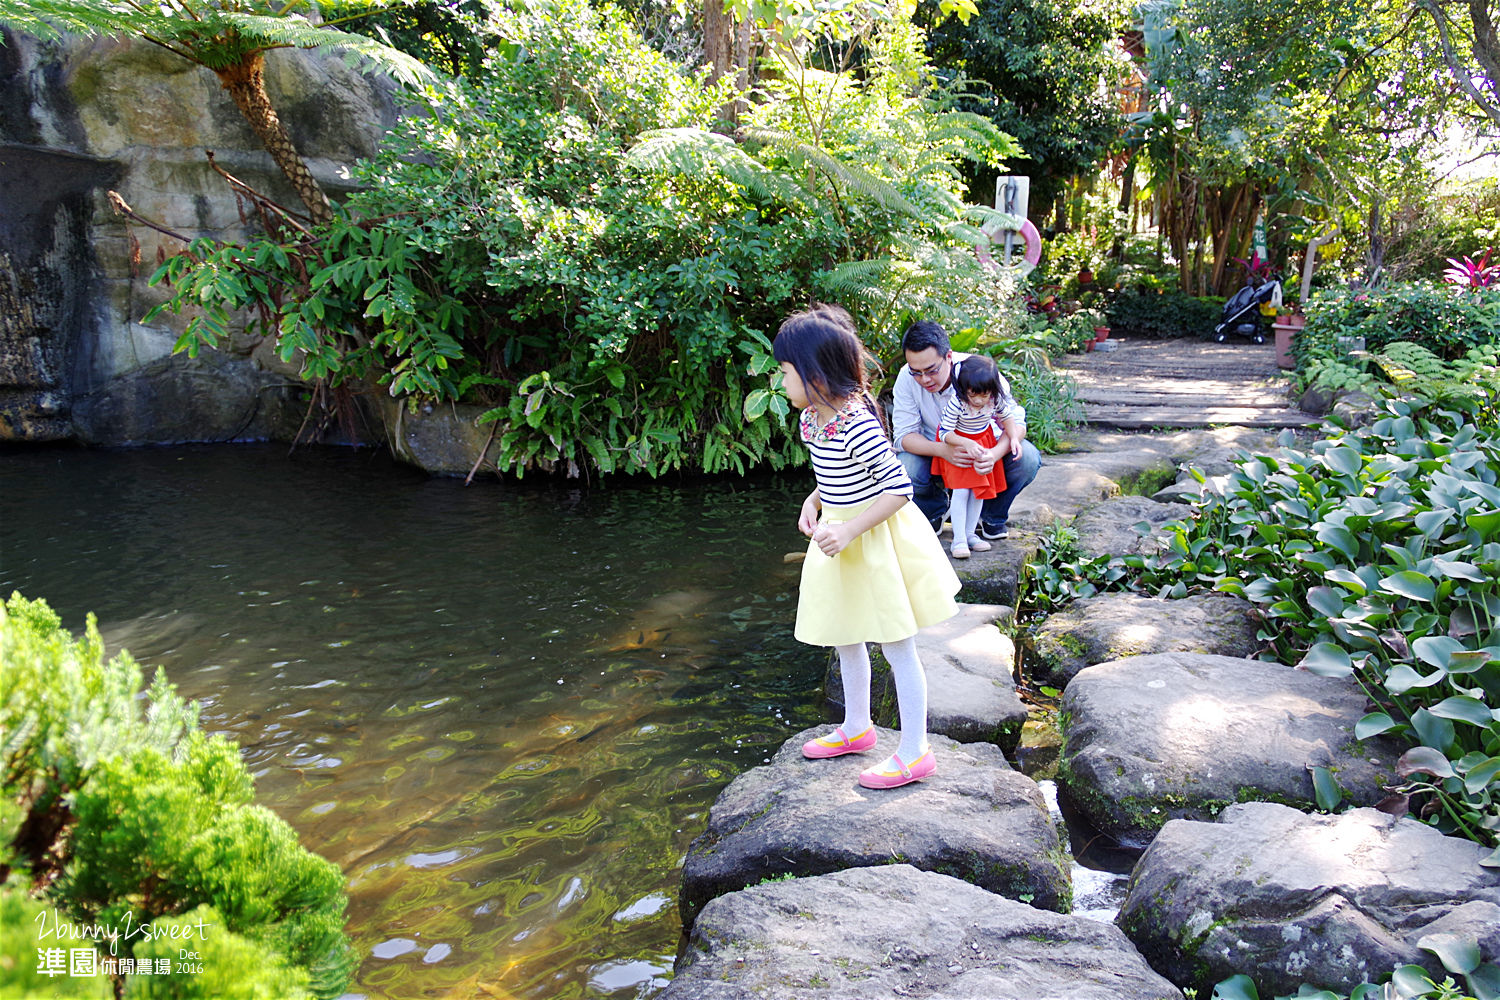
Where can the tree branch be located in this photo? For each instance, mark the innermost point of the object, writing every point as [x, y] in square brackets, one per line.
[1461, 73]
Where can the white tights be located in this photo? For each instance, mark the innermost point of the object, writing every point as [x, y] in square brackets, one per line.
[963, 511]
[911, 693]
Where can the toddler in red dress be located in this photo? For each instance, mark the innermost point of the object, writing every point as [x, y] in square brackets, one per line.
[968, 424]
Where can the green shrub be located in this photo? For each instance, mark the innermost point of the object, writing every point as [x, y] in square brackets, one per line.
[1445, 320]
[223, 965]
[1168, 315]
[565, 242]
[21, 977]
[124, 814]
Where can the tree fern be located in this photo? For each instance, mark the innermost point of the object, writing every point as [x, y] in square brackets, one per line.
[697, 152]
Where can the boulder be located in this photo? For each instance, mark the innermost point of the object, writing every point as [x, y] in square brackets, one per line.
[976, 819]
[87, 369]
[1114, 626]
[1183, 735]
[971, 689]
[993, 577]
[1109, 527]
[895, 931]
[1288, 898]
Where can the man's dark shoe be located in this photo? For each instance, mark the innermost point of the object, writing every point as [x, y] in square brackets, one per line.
[990, 534]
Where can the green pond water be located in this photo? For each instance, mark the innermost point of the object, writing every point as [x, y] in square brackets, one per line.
[503, 710]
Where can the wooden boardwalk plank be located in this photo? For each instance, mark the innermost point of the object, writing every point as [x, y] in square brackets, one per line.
[1183, 383]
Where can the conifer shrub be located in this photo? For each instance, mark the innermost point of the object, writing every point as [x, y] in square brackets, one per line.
[119, 812]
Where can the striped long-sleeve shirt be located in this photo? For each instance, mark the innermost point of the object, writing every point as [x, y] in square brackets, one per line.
[851, 456]
[960, 416]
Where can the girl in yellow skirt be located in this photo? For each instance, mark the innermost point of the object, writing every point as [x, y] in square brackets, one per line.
[874, 570]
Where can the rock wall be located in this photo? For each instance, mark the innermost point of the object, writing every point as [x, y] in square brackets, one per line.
[81, 118]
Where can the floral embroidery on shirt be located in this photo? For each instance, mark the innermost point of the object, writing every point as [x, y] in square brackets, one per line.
[842, 419]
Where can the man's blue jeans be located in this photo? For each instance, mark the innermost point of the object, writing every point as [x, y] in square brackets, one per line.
[932, 499]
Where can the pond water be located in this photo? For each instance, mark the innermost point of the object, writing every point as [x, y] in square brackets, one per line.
[502, 710]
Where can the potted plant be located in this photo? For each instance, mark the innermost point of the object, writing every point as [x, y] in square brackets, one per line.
[1098, 321]
[1289, 320]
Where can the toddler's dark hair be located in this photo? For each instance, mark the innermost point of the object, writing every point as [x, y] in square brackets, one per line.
[820, 343]
[978, 374]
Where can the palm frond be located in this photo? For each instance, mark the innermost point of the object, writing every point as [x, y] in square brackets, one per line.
[696, 152]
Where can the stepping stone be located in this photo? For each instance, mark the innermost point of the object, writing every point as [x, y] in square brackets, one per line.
[1114, 626]
[895, 931]
[971, 688]
[976, 819]
[1183, 735]
[1288, 898]
[1109, 527]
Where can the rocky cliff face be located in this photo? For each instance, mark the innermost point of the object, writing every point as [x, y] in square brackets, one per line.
[81, 118]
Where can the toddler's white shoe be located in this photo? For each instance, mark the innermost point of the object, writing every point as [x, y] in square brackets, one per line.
[960, 551]
[979, 544]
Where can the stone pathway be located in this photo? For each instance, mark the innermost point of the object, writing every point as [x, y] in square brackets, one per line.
[1183, 383]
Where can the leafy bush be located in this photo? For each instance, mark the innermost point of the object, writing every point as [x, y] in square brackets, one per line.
[122, 813]
[1168, 315]
[1446, 321]
[519, 246]
[1374, 555]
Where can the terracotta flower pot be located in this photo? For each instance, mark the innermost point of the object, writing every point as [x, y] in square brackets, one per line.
[1285, 329]
[1101, 333]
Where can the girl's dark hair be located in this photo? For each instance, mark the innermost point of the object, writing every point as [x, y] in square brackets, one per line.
[820, 343]
[977, 374]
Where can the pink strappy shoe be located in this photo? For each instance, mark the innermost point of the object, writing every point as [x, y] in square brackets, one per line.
[904, 774]
[838, 743]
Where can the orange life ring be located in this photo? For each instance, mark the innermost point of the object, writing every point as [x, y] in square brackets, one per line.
[1030, 257]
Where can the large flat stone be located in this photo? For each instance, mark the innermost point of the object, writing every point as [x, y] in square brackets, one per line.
[896, 931]
[976, 819]
[971, 690]
[1287, 898]
[1182, 735]
[1114, 626]
[1110, 526]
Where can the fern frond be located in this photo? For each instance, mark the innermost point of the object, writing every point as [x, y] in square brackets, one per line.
[848, 175]
[358, 51]
[696, 152]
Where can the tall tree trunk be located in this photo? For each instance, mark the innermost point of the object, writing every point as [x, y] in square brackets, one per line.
[245, 81]
[726, 46]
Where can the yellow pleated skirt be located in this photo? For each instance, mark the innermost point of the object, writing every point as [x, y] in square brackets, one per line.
[890, 582]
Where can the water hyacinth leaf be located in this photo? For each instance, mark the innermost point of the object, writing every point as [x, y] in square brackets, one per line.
[1436, 650]
[1339, 537]
[1326, 601]
[1459, 954]
[1373, 725]
[1409, 583]
[1492, 860]
[1487, 524]
[1411, 981]
[1459, 570]
[1484, 982]
[1467, 661]
[1327, 660]
[1345, 578]
[1481, 776]
[1431, 522]
[1326, 789]
[1464, 709]
[1368, 991]
[1434, 732]
[1236, 988]
[1344, 461]
[1424, 760]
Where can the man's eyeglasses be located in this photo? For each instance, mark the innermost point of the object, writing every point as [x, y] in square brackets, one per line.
[930, 372]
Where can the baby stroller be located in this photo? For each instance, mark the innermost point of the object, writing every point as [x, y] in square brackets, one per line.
[1243, 316]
